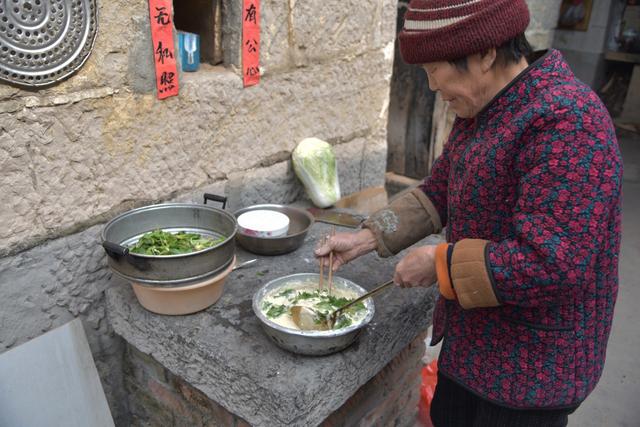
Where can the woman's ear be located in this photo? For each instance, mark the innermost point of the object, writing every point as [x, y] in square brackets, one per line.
[488, 59]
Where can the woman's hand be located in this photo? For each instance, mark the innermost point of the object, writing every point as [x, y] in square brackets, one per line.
[417, 268]
[346, 247]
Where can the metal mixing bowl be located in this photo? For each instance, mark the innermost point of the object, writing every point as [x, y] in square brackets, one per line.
[313, 343]
[300, 221]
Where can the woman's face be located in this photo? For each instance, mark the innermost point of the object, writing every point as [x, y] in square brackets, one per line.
[467, 91]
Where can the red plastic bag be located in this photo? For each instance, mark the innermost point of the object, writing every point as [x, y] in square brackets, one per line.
[427, 389]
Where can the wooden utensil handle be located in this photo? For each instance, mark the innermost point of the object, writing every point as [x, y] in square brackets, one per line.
[363, 297]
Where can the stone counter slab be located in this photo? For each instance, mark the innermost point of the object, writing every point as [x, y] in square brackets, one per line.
[223, 351]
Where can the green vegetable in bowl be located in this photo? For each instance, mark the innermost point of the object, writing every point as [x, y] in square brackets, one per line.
[277, 306]
[276, 310]
[160, 242]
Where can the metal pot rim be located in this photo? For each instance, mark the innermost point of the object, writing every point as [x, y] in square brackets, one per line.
[173, 284]
[267, 206]
[172, 205]
[311, 334]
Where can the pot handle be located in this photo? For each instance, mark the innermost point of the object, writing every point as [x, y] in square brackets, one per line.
[115, 250]
[215, 198]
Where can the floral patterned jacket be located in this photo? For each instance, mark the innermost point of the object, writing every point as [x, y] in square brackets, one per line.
[529, 191]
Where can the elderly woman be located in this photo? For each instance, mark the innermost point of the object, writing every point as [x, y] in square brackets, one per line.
[528, 188]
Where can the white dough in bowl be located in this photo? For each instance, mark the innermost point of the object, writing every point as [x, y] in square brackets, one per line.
[263, 223]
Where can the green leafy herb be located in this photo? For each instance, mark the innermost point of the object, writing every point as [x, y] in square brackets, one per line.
[325, 305]
[276, 311]
[337, 302]
[357, 307]
[320, 318]
[331, 303]
[160, 242]
[342, 322]
[321, 302]
[285, 293]
[306, 295]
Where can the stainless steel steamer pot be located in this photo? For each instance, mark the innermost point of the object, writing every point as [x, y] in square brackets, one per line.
[312, 343]
[170, 270]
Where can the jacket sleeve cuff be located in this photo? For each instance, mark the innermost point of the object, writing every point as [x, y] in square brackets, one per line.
[442, 271]
[470, 275]
[406, 220]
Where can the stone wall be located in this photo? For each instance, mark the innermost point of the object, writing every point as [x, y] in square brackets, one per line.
[76, 154]
[80, 152]
[158, 397]
[544, 19]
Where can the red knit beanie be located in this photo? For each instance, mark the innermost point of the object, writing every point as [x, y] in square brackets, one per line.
[444, 30]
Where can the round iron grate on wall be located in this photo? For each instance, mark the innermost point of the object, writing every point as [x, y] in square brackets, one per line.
[44, 41]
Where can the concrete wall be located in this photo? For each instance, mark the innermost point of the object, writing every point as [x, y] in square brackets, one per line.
[544, 17]
[77, 154]
[584, 50]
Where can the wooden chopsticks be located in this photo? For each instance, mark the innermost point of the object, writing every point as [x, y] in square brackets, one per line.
[321, 283]
[324, 241]
[333, 233]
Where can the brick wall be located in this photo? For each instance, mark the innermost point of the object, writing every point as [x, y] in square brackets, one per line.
[159, 398]
[388, 399]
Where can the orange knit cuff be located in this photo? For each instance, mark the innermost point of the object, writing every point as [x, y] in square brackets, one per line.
[442, 270]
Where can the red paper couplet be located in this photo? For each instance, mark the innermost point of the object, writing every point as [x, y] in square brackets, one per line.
[164, 56]
[250, 42]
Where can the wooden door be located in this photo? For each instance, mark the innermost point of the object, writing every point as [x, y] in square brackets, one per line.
[410, 115]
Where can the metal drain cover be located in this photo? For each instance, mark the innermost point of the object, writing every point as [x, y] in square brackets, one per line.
[44, 41]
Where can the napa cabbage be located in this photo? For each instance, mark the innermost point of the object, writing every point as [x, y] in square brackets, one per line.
[315, 165]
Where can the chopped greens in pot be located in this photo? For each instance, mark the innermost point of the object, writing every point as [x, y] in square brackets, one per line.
[159, 242]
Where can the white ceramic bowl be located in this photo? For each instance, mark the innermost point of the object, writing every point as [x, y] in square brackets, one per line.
[263, 223]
